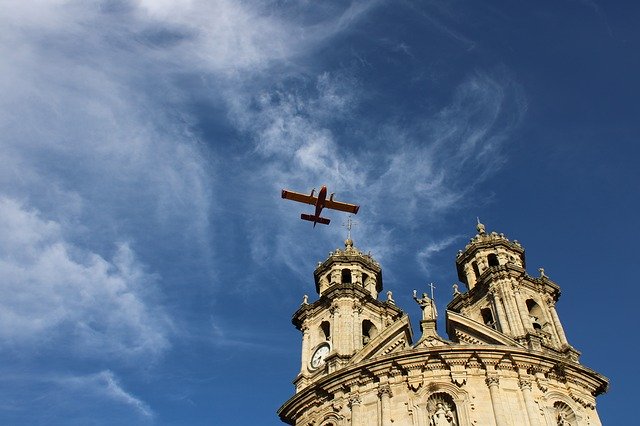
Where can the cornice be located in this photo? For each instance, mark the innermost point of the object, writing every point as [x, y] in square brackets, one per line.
[520, 359]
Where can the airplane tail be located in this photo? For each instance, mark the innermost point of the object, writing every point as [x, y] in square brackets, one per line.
[315, 219]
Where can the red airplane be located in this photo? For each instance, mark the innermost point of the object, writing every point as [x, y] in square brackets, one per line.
[320, 202]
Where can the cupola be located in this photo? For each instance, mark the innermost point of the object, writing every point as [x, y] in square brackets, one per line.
[484, 251]
[349, 266]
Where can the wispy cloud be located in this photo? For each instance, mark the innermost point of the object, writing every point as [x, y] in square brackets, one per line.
[56, 293]
[106, 385]
[414, 172]
[426, 254]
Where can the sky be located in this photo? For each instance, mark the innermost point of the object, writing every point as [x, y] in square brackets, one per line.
[148, 266]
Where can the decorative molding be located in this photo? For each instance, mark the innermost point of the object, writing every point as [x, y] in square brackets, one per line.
[525, 384]
[492, 381]
[354, 399]
[385, 389]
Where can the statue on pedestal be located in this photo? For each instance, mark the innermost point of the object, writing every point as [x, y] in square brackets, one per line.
[428, 307]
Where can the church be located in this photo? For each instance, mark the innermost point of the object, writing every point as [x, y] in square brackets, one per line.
[506, 360]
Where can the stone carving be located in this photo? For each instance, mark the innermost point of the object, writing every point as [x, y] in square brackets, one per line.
[442, 417]
[390, 297]
[385, 389]
[455, 289]
[562, 420]
[429, 311]
[305, 299]
[355, 399]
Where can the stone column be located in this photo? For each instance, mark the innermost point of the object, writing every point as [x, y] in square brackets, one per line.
[355, 404]
[493, 383]
[305, 346]
[556, 323]
[502, 320]
[516, 328]
[384, 393]
[525, 385]
[524, 314]
[357, 326]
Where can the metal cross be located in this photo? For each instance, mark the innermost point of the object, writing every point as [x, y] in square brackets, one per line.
[349, 224]
[432, 287]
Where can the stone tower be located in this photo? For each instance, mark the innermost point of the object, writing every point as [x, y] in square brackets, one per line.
[507, 361]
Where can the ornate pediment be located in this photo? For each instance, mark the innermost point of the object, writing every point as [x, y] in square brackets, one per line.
[466, 330]
[397, 337]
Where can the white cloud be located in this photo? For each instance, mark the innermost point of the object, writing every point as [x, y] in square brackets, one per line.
[426, 254]
[57, 293]
[103, 385]
[413, 174]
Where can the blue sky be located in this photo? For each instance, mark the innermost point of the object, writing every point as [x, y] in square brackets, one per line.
[149, 268]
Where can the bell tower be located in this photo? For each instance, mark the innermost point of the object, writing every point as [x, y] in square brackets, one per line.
[506, 362]
[502, 296]
[346, 316]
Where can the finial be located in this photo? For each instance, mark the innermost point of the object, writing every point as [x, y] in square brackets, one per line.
[480, 227]
[349, 224]
[456, 291]
[541, 270]
[305, 299]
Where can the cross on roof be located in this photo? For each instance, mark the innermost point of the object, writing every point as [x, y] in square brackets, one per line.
[349, 224]
[432, 287]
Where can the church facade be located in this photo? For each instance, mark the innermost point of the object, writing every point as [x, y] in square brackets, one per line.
[507, 361]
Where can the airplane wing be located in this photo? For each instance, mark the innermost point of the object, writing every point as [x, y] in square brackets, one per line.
[296, 196]
[344, 207]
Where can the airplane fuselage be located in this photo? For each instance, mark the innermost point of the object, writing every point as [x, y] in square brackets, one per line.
[322, 196]
[320, 202]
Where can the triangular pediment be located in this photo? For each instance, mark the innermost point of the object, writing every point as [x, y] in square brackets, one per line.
[466, 330]
[396, 337]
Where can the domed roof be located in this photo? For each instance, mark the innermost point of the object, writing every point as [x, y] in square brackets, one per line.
[347, 257]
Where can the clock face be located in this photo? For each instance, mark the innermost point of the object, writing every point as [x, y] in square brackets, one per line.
[318, 356]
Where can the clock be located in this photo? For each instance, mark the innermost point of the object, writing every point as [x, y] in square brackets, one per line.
[318, 356]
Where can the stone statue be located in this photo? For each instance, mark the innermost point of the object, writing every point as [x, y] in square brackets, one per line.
[562, 420]
[390, 297]
[455, 289]
[305, 300]
[428, 307]
[442, 416]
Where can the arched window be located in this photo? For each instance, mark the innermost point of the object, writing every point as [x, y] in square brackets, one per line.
[476, 271]
[535, 314]
[346, 276]
[563, 415]
[442, 410]
[493, 260]
[325, 327]
[369, 331]
[487, 317]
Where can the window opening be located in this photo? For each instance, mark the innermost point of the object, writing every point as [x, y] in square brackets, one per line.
[476, 271]
[535, 314]
[369, 331]
[346, 276]
[493, 260]
[326, 330]
[487, 317]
